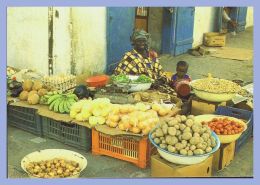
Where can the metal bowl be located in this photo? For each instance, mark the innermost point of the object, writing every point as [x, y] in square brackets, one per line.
[223, 138]
[210, 96]
[134, 87]
[50, 154]
[183, 159]
[213, 97]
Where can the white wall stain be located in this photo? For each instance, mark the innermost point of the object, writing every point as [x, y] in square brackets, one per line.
[62, 40]
[27, 38]
[204, 21]
[89, 39]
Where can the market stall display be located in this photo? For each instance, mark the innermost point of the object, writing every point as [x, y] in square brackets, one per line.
[132, 83]
[97, 81]
[142, 122]
[163, 168]
[60, 82]
[156, 96]
[244, 115]
[14, 88]
[214, 89]
[81, 91]
[54, 163]
[32, 91]
[59, 102]
[132, 148]
[24, 116]
[227, 128]
[182, 140]
[136, 118]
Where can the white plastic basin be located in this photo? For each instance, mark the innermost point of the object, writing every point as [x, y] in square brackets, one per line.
[50, 154]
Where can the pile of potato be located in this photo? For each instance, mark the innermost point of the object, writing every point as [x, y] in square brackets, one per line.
[56, 168]
[182, 135]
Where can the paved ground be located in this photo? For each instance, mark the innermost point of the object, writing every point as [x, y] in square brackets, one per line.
[20, 143]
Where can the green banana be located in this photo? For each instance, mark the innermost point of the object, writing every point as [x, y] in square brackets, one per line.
[61, 106]
[47, 96]
[55, 92]
[72, 96]
[49, 93]
[66, 106]
[54, 97]
[70, 102]
[53, 103]
[56, 105]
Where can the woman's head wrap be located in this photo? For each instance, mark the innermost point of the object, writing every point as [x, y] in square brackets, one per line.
[139, 34]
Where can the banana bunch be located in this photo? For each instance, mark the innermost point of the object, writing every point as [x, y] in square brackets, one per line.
[61, 102]
[44, 99]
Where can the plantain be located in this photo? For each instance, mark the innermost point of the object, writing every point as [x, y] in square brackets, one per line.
[54, 97]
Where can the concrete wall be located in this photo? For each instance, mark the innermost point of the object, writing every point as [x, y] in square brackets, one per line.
[155, 27]
[79, 39]
[204, 21]
[27, 38]
[250, 17]
[62, 40]
[89, 39]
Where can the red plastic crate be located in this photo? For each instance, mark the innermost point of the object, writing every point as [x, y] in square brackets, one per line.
[137, 150]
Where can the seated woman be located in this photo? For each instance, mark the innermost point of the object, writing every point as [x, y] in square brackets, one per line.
[138, 61]
[142, 61]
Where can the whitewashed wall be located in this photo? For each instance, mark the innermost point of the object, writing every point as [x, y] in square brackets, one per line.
[79, 38]
[27, 38]
[62, 40]
[204, 21]
[250, 17]
[89, 39]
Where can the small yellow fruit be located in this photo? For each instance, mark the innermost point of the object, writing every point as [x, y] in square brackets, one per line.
[33, 99]
[23, 95]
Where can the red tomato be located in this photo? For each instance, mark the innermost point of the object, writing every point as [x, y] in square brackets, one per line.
[219, 126]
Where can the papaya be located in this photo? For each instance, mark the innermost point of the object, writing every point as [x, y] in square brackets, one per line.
[32, 92]
[23, 95]
[37, 85]
[27, 85]
[33, 99]
[42, 92]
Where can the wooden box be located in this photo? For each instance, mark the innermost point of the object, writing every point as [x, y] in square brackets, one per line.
[162, 168]
[214, 39]
[223, 157]
[199, 107]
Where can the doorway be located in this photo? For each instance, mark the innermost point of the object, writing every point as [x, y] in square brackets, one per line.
[238, 14]
[177, 33]
[141, 18]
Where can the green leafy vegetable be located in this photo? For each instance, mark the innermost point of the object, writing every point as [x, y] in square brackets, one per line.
[143, 79]
[122, 78]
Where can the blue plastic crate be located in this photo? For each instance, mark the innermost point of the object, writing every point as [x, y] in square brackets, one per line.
[24, 118]
[70, 134]
[240, 114]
